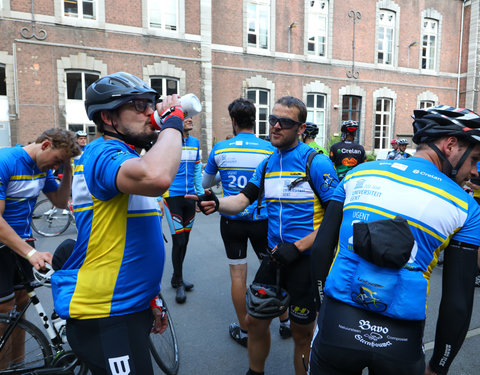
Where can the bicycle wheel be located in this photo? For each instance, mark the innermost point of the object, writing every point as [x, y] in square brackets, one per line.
[164, 347]
[37, 353]
[48, 220]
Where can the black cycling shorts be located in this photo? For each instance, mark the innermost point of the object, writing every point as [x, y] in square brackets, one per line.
[349, 339]
[114, 345]
[297, 281]
[180, 214]
[10, 278]
[235, 235]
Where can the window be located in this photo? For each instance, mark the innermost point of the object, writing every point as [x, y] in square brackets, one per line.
[81, 9]
[426, 104]
[386, 27]
[258, 20]
[383, 118]
[317, 27]
[316, 114]
[164, 85]
[3, 82]
[429, 43]
[77, 84]
[261, 99]
[163, 14]
[351, 110]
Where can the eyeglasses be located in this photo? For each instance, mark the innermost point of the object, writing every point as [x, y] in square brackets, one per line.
[285, 122]
[141, 105]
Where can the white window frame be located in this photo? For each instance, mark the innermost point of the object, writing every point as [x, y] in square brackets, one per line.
[80, 14]
[386, 22]
[179, 33]
[80, 21]
[385, 128]
[320, 14]
[429, 49]
[260, 5]
[424, 104]
[260, 106]
[312, 114]
[165, 82]
[163, 16]
[426, 96]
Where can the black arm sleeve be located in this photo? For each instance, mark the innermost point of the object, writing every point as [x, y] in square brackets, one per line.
[323, 248]
[251, 192]
[459, 270]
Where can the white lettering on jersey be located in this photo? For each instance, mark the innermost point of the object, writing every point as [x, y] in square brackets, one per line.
[119, 365]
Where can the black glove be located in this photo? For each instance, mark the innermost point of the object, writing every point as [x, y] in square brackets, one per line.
[208, 197]
[285, 253]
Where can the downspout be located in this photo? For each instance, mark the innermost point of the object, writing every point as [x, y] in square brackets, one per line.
[460, 55]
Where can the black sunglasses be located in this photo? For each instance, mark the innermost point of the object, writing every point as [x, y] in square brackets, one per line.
[141, 105]
[285, 122]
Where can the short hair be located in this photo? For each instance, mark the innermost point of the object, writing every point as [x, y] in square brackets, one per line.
[243, 112]
[61, 139]
[290, 101]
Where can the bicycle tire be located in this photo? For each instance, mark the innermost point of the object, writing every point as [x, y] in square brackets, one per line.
[38, 352]
[164, 347]
[48, 220]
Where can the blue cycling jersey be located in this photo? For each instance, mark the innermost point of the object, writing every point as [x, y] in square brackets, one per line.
[294, 213]
[409, 188]
[184, 182]
[117, 264]
[20, 184]
[236, 159]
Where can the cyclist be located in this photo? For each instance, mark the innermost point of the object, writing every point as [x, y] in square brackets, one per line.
[81, 139]
[391, 220]
[236, 159]
[309, 135]
[24, 173]
[401, 152]
[106, 289]
[294, 212]
[347, 153]
[391, 155]
[180, 212]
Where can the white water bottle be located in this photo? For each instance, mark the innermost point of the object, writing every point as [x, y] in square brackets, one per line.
[60, 326]
[190, 104]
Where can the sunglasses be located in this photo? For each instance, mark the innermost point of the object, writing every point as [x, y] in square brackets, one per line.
[284, 122]
[141, 105]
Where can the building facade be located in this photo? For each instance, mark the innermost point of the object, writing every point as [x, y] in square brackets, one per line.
[372, 61]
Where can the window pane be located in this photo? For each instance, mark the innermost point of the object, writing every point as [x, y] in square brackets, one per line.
[320, 101]
[156, 84]
[172, 87]
[88, 9]
[3, 83]
[310, 100]
[251, 95]
[263, 97]
[71, 7]
[90, 78]
[74, 86]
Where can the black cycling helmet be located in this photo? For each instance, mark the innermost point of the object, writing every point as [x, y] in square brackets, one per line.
[443, 121]
[349, 126]
[311, 130]
[266, 301]
[402, 142]
[114, 90]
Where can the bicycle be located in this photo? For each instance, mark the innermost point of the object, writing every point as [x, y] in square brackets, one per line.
[41, 355]
[50, 221]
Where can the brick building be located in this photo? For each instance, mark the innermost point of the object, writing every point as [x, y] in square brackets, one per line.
[406, 55]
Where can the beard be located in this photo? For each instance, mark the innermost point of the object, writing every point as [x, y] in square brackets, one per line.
[143, 140]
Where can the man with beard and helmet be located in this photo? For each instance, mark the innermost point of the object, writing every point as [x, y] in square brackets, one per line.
[391, 220]
[347, 154]
[107, 288]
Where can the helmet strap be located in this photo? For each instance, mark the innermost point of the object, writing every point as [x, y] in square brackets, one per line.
[447, 167]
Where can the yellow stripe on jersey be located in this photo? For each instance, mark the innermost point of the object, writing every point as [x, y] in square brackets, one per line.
[254, 150]
[78, 168]
[142, 214]
[98, 274]
[462, 203]
[285, 174]
[28, 177]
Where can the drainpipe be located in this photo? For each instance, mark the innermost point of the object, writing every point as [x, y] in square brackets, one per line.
[460, 55]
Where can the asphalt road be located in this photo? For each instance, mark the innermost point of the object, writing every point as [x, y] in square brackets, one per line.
[202, 322]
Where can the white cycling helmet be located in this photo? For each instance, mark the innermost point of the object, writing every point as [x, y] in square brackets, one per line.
[43, 276]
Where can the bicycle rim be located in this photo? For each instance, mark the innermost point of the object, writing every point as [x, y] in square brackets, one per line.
[37, 354]
[48, 220]
[164, 348]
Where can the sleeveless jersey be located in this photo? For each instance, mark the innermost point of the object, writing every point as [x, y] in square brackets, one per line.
[437, 210]
[20, 185]
[117, 264]
[184, 182]
[236, 159]
[346, 155]
[294, 213]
